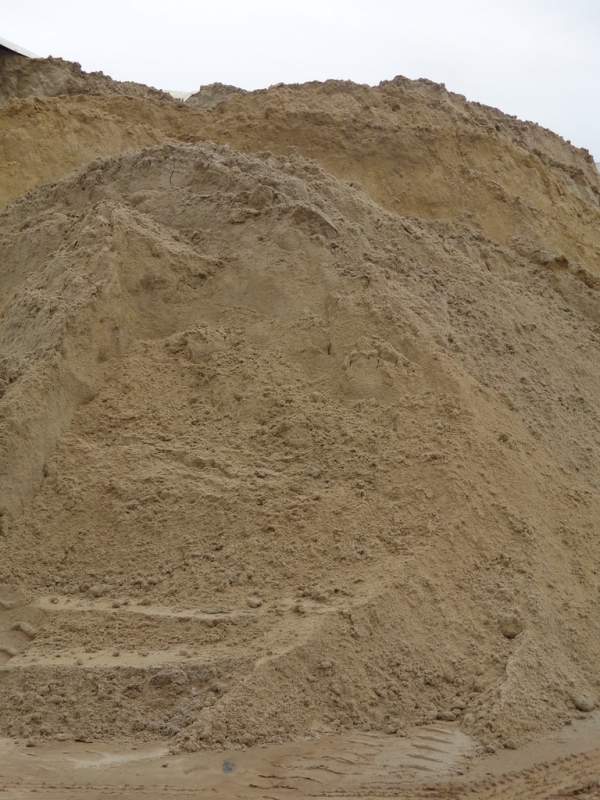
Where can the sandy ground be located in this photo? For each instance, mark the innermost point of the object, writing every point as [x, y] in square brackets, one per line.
[433, 761]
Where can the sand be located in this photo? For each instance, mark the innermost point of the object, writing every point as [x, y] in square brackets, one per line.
[299, 427]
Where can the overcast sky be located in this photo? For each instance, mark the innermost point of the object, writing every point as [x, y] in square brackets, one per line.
[537, 59]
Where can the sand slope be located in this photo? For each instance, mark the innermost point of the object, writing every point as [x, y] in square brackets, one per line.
[283, 455]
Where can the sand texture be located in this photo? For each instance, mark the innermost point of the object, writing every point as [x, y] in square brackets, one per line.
[50, 77]
[299, 416]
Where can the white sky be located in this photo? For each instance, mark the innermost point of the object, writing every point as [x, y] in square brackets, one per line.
[537, 59]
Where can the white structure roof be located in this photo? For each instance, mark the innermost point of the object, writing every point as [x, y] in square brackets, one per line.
[179, 95]
[16, 49]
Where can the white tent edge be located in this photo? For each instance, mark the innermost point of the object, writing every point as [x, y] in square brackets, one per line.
[16, 49]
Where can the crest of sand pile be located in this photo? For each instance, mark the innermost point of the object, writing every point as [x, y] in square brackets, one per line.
[50, 77]
[211, 94]
[278, 460]
[415, 148]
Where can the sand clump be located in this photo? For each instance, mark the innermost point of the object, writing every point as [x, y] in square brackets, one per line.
[284, 455]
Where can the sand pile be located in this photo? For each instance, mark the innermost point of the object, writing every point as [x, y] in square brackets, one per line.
[49, 77]
[281, 454]
[211, 94]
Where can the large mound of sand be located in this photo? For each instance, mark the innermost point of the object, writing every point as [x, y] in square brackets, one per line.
[282, 454]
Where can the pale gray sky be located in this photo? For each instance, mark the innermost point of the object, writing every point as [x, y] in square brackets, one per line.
[537, 59]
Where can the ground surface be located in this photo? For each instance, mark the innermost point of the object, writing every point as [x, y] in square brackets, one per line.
[435, 761]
